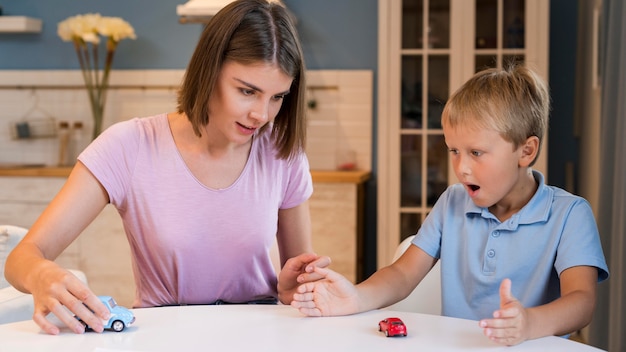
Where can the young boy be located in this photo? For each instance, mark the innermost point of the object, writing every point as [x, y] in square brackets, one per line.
[522, 257]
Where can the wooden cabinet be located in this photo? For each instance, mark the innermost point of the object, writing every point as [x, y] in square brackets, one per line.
[102, 251]
[428, 49]
[337, 206]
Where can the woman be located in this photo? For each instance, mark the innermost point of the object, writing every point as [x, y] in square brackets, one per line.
[203, 192]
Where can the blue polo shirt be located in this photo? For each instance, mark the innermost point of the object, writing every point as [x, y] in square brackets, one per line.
[554, 231]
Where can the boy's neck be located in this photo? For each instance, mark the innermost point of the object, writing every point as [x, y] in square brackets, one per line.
[518, 198]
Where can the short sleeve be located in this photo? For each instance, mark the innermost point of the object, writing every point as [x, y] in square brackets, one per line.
[580, 242]
[111, 158]
[299, 182]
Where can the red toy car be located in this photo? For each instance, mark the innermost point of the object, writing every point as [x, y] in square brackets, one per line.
[392, 327]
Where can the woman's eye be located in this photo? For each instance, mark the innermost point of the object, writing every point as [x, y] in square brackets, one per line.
[247, 91]
[279, 97]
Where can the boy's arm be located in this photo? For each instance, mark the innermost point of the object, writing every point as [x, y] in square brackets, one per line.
[335, 295]
[513, 324]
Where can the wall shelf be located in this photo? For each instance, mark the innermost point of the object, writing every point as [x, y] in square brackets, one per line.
[19, 24]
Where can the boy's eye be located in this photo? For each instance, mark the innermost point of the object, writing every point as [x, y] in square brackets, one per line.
[476, 153]
[453, 151]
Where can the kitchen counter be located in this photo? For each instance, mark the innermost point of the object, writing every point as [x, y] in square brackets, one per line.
[353, 176]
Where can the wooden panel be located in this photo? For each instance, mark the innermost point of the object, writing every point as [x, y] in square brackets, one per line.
[334, 219]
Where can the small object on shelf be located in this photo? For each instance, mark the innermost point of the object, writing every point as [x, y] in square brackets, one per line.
[346, 159]
[33, 128]
[76, 142]
[121, 317]
[36, 123]
[392, 327]
[64, 141]
[19, 24]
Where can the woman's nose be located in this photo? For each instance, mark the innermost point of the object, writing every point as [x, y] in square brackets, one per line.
[260, 111]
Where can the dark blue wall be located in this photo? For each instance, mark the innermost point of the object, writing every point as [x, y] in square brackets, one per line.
[329, 42]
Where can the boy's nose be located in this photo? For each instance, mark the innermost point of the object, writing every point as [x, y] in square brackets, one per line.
[463, 167]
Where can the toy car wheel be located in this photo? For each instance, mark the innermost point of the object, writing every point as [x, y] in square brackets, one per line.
[387, 333]
[117, 325]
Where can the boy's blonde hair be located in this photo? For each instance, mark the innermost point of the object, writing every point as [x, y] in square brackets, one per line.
[513, 101]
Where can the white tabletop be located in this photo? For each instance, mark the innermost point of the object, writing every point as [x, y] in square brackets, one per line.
[270, 328]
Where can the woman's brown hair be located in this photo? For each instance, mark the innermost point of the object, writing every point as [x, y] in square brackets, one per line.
[249, 32]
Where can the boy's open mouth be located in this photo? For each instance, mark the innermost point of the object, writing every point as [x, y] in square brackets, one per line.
[473, 187]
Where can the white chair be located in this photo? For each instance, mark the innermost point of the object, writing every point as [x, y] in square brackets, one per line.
[15, 305]
[426, 298]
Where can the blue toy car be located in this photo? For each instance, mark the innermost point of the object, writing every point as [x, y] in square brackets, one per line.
[121, 317]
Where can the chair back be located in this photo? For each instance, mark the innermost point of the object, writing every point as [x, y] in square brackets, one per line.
[10, 236]
[426, 298]
[15, 305]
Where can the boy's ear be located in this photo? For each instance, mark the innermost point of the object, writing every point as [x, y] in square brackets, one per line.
[530, 149]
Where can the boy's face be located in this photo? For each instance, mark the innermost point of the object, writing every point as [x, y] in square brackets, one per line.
[485, 163]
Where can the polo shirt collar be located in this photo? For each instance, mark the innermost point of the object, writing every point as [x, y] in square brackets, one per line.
[536, 210]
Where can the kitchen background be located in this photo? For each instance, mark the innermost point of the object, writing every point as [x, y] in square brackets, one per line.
[336, 35]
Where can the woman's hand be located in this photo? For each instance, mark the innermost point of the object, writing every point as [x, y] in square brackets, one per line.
[298, 270]
[59, 292]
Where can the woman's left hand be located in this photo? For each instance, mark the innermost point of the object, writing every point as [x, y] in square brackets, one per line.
[298, 270]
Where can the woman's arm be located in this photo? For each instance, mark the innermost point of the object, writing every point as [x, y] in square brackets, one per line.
[30, 267]
[296, 251]
[335, 295]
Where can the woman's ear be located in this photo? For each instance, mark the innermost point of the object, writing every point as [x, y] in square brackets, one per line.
[530, 151]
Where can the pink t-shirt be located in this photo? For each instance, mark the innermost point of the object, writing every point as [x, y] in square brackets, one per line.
[192, 244]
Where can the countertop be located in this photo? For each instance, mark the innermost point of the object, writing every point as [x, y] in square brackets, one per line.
[326, 176]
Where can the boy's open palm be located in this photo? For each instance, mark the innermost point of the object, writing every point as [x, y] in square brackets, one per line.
[509, 323]
[332, 295]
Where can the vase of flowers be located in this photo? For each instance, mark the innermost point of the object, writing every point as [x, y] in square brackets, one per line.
[85, 31]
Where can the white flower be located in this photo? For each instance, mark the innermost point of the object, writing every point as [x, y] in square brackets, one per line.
[85, 31]
[115, 28]
[90, 26]
[83, 27]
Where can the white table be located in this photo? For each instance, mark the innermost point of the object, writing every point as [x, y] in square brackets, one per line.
[270, 328]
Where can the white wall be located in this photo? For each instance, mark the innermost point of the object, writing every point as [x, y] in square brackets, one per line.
[341, 120]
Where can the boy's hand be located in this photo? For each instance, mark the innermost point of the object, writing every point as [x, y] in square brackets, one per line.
[298, 270]
[329, 296]
[509, 325]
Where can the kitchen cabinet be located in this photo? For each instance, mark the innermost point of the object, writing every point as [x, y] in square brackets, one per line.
[19, 24]
[337, 207]
[102, 251]
[428, 49]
